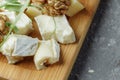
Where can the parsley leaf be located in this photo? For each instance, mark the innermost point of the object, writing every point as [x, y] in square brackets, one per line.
[9, 24]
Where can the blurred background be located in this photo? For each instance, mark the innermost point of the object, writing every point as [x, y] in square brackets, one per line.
[99, 58]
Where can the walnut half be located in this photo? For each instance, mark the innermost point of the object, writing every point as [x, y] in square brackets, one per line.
[2, 25]
[53, 7]
[3, 19]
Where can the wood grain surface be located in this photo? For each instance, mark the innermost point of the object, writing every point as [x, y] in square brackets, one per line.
[26, 70]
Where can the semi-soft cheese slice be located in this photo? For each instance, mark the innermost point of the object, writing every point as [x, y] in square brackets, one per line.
[47, 53]
[55, 27]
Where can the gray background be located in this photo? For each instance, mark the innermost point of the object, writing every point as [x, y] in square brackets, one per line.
[99, 58]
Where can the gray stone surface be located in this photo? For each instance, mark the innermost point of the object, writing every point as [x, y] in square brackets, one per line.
[99, 58]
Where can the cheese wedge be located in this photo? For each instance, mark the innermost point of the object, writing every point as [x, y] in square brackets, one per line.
[55, 27]
[74, 8]
[20, 45]
[47, 53]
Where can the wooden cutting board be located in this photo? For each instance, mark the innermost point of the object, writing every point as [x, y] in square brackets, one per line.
[26, 70]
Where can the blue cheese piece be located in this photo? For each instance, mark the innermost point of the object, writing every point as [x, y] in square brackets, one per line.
[55, 27]
[48, 52]
[24, 24]
[20, 45]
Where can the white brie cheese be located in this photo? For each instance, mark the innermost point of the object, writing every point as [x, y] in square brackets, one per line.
[55, 27]
[20, 45]
[48, 52]
[64, 32]
[8, 47]
[24, 25]
[46, 26]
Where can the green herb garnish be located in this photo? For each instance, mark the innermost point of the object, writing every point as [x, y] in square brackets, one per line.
[13, 7]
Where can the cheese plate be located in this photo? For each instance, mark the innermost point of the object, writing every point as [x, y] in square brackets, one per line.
[26, 70]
